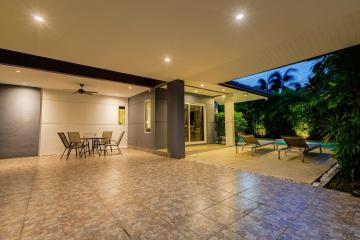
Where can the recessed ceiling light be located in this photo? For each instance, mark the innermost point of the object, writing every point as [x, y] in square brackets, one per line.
[240, 16]
[130, 87]
[245, 94]
[223, 96]
[38, 18]
[167, 59]
[18, 71]
[223, 90]
[23, 83]
[202, 85]
[196, 91]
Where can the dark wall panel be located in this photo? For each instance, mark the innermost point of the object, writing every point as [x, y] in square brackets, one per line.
[161, 118]
[19, 121]
[136, 134]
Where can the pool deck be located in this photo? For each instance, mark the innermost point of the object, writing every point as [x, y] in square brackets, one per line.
[265, 162]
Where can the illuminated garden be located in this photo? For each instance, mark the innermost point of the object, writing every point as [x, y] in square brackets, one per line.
[318, 99]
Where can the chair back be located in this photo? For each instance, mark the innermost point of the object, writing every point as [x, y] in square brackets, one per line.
[64, 139]
[74, 137]
[89, 134]
[120, 138]
[298, 142]
[249, 139]
[107, 136]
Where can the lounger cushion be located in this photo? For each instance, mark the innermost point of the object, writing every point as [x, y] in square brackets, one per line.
[265, 142]
[313, 145]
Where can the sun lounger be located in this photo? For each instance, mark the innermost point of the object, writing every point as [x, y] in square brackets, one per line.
[298, 143]
[251, 142]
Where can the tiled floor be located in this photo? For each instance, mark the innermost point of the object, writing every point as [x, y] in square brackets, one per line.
[197, 148]
[143, 196]
[266, 162]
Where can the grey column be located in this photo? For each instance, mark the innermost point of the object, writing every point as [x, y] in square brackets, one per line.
[175, 119]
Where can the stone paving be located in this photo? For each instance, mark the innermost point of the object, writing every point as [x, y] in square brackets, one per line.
[265, 162]
[139, 195]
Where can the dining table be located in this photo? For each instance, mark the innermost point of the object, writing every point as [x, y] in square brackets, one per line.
[94, 142]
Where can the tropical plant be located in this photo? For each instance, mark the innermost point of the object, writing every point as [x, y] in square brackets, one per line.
[240, 125]
[277, 82]
[345, 130]
[219, 126]
[240, 122]
[336, 92]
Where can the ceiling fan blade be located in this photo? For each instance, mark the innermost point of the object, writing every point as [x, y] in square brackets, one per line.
[92, 92]
[75, 92]
[89, 93]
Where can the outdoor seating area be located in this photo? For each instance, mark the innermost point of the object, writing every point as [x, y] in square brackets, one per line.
[89, 143]
[292, 143]
[266, 162]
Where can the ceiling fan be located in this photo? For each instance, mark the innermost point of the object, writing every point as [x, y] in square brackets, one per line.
[81, 90]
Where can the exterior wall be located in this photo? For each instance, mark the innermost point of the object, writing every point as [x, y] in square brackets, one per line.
[157, 139]
[161, 118]
[137, 136]
[19, 121]
[210, 113]
[65, 112]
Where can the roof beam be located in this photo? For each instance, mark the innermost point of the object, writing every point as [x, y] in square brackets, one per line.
[9, 57]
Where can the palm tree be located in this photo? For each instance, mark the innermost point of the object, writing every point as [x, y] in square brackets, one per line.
[277, 82]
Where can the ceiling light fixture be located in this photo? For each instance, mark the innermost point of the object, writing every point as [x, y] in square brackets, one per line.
[130, 87]
[223, 96]
[202, 85]
[23, 83]
[167, 59]
[38, 18]
[245, 94]
[17, 71]
[196, 91]
[240, 16]
[223, 90]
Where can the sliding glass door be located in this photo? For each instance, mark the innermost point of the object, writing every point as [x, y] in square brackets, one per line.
[194, 123]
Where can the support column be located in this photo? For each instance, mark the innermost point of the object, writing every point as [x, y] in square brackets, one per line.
[175, 119]
[229, 120]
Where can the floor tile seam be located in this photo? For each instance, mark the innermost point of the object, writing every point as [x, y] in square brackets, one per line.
[220, 224]
[247, 213]
[68, 210]
[171, 225]
[26, 211]
[270, 223]
[296, 217]
[259, 203]
[226, 228]
[117, 221]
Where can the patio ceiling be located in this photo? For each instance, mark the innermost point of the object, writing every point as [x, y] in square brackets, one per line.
[203, 39]
[49, 80]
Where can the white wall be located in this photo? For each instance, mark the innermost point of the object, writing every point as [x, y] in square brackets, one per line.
[65, 112]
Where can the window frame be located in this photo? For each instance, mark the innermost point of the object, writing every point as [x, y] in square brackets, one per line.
[147, 104]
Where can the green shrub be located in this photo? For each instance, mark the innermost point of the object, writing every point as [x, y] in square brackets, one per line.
[345, 131]
[240, 125]
[219, 126]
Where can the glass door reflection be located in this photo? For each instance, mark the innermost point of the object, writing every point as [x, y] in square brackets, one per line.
[194, 129]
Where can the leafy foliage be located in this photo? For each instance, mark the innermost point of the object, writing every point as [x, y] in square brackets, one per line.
[345, 130]
[327, 108]
[277, 82]
[240, 124]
